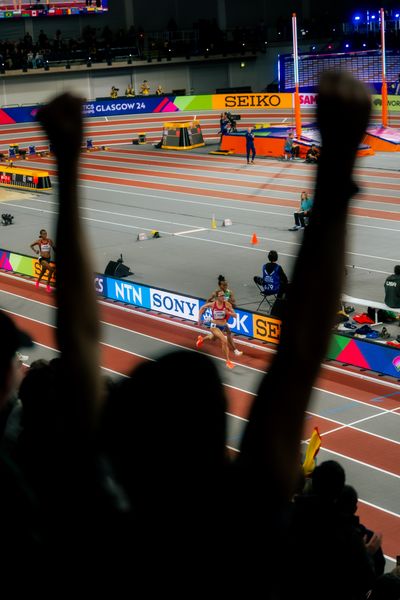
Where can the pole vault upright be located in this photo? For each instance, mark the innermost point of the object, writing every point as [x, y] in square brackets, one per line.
[384, 84]
[297, 115]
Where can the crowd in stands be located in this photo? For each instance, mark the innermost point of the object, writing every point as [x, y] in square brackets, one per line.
[126, 484]
[205, 38]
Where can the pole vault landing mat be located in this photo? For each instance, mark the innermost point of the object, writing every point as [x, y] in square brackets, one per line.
[270, 141]
[383, 139]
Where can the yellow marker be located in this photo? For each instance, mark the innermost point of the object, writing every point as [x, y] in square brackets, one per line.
[213, 223]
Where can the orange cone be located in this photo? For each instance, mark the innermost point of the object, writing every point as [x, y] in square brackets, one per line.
[254, 239]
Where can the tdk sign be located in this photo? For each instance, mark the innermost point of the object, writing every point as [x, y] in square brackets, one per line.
[173, 304]
[242, 323]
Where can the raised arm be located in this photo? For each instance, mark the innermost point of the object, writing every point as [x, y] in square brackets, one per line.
[273, 435]
[77, 319]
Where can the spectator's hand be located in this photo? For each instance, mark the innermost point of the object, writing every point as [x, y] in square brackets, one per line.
[344, 106]
[62, 121]
[374, 543]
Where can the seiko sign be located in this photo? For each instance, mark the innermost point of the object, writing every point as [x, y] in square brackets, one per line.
[253, 100]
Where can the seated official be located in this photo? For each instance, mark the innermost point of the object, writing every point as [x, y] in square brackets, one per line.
[129, 91]
[392, 289]
[145, 88]
[303, 213]
[275, 280]
[114, 92]
[159, 91]
[312, 155]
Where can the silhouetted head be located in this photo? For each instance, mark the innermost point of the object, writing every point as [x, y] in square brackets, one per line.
[348, 499]
[272, 256]
[328, 480]
[397, 269]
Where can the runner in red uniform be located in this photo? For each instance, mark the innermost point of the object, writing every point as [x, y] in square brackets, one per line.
[43, 247]
[221, 311]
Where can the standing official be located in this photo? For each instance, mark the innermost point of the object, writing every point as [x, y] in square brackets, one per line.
[392, 289]
[250, 147]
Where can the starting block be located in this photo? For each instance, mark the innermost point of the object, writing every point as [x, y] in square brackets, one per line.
[226, 222]
[142, 237]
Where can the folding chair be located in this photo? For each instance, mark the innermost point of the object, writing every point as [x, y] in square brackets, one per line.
[265, 296]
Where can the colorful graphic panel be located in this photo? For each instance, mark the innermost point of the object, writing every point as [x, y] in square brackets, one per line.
[159, 104]
[366, 355]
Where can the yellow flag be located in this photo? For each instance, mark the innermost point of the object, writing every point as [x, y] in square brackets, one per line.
[312, 451]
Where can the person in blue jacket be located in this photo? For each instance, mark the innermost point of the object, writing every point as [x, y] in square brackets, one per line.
[250, 147]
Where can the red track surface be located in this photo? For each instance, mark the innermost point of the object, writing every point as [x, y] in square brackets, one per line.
[349, 442]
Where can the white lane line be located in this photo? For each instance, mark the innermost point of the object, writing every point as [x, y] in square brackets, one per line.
[221, 205]
[389, 512]
[191, 231]
[352, 426]
[360, 462]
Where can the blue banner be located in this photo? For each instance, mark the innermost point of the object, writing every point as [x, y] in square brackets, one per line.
[127, 292]
[100, 108]
[125, 106]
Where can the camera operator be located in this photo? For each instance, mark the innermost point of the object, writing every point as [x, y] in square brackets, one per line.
[232, 122]
[114, 92]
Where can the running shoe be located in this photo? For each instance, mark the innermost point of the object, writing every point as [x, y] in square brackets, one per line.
[230, 364]
[199, 341]
[349, 325]
[21, 357]
[364, 330]
[237, 352]
[372, 335]
[294, 228]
